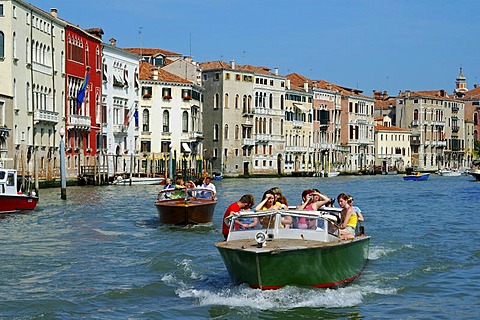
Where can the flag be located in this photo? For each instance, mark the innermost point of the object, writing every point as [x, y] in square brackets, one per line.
[82, 90]
[131, 112]
[135, 115]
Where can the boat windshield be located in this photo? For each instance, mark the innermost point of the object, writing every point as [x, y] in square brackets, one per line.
[186, 193]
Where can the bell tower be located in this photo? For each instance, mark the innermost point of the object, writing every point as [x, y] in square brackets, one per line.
[461, 83]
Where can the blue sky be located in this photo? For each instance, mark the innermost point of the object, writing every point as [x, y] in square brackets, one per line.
[388, 45]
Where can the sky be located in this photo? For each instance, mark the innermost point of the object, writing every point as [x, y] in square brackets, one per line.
[392, 45]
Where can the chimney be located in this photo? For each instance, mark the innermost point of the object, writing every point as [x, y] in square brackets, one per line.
[53, 12]
[476, 85]
[113, 42]
[155, 74]
[376, 95]
[275, 71]
[407, 93]
[232, 64]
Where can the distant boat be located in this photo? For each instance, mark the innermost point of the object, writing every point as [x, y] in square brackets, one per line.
[12, 200]
[332, 174]
[449, 173]
[390, 172]
[217, 175]
[416, 176]
[121, 181]
[186, 206]
[475, 170]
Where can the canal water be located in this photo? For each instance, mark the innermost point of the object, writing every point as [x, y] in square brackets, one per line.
[102, 254]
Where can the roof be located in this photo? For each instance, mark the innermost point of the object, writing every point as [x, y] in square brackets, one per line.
[219, 65]
[146, 73]
[437, 94]
[153, 52]
[392, 128]
[472, 94]
[385, 104]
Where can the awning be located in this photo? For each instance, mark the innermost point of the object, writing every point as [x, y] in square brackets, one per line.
[301, 107]
[186, 147]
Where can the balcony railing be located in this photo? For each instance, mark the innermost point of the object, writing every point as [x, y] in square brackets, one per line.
[45, 116]
[248, 142]
[79, 122]
[120, 129]
[455, 128]
[195, 135]
[263, 137]
[296, 149]
[414, 123]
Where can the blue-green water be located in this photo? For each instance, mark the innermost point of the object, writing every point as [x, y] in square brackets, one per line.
[102, 254]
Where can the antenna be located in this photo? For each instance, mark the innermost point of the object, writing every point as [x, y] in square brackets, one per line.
[140, 39]
[191, 44]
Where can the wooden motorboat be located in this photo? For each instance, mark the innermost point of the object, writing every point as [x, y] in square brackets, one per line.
[12, 200]
[273, 257]
[186, 206]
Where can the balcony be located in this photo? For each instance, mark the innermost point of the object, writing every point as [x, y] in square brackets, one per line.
[248, 142]
[441, 144]
[45, 116]
[76, 121]
[297, 124]
[196, 135]
[263, 137]
[296, 149]
[415, 142]
[104, 128]
[438, 123]
[455, 128]
[42, 68]
[120, 129]
[414, 123]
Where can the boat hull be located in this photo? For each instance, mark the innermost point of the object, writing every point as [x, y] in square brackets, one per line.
[476, 175]
[421, 177]
[17, 203]
[181, 212]
[294, 262]
[138, 181]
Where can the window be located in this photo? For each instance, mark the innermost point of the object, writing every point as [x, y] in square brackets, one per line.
[2, 39]
[226, 101]
[147, 92]
[166, 121]
[216, 101]
[225, 134]
[237, 131]
[215, 132]
[167, 93]
[185, 121]
[146, 120]
[1, 9]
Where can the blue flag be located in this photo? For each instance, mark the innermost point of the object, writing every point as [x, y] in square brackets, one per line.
[82, 90]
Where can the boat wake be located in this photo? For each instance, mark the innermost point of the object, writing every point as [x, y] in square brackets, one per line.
[216, 289]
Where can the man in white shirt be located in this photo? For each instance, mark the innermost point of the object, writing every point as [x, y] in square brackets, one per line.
[207, 184]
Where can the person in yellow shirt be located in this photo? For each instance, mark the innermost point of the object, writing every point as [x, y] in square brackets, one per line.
[349, 217]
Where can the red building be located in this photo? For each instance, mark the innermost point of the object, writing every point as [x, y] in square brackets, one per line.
[83, 69]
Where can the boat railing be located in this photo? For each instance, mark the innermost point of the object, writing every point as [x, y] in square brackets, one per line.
[287, 224]
[186, 193]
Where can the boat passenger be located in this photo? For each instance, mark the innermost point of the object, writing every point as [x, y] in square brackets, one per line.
[246, 223]
[268, 203]
[245, 202]
[349, 217]
[287, 220]
[168, 184]
[179, 184]
[207, 184]
[313, 199]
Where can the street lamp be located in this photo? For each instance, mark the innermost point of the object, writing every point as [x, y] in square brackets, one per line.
[63, 178]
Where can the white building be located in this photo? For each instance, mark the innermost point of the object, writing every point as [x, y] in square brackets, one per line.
[32, 90]
[120, 104]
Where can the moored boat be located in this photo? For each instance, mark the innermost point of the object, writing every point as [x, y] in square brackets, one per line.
[274, 257]
[186, 206]
[11, 199]
[119, 180]
[475, 170]
[449, 173]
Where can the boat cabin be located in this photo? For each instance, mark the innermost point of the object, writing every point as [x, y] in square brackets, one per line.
[8, 181]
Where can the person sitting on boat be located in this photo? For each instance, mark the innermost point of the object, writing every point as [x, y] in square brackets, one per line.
[168, 184]
[359, 229]
[246, 223]
[268, 203]
[349, 217]
[179, 184]
[313, 199]
[245, 202]
[287, 220]
[207, 184]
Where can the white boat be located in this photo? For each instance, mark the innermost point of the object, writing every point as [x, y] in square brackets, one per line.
[449, 173]
[332, 174]
[121, 181]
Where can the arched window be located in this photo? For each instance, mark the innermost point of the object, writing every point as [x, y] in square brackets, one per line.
[237, 132]
[146, 120]
[237, 98]
[14, 45]
[216, 102]
[215, 132]
[185, 121]
[225, 133]
[415, 114]
[270, 126]
[245, 110]
[2, 45]
[226, 101]
[166, 121]
[270, 102]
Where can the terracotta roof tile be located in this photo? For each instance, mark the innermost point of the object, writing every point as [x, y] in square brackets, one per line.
[472, 94]
[146, 73]
[380, 127]
[385, 104]
[152, 52]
